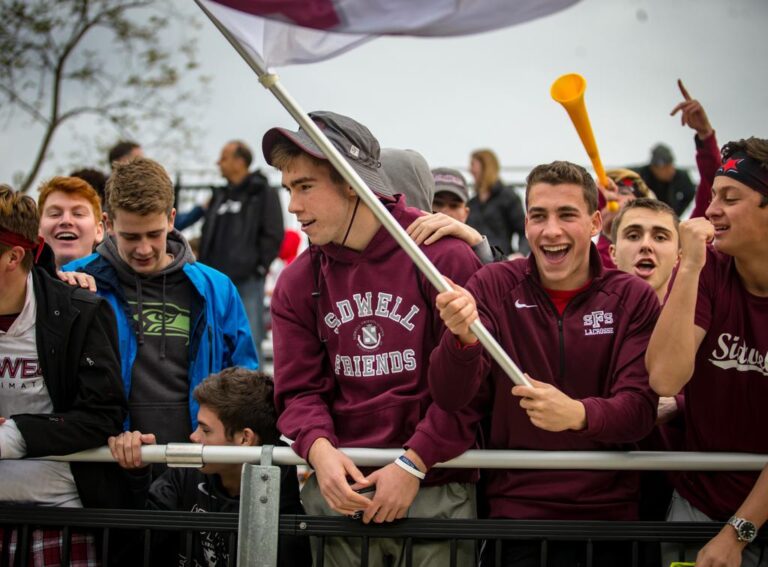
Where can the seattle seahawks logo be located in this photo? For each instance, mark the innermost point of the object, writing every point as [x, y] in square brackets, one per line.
[368, 335]
[154, 314]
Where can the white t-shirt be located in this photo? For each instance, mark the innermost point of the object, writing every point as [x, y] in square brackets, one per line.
[23, 390]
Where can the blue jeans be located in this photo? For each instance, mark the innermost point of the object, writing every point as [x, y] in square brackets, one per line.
[252, 293]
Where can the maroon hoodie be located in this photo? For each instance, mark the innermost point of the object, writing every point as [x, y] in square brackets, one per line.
[350, 364]
[593, 353]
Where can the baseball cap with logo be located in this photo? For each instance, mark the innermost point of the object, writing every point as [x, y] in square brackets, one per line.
[450, 181]
[353, 140]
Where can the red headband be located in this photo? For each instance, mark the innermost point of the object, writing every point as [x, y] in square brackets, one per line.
[10, 238]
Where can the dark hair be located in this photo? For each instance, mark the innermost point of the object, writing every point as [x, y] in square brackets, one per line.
[284, 153]
[120, 150]
[241, 398]
[243, 152]
[644, 203]
[562, 172]
[756, 148]
[95, 179]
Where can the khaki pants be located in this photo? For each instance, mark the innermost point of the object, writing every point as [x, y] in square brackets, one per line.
[454, 500]
[680, 510]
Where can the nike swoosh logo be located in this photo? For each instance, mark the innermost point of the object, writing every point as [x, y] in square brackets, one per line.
[523, 305]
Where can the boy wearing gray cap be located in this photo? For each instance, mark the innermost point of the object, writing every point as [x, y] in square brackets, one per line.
[354, 324]
[451, 194]
[450, 212]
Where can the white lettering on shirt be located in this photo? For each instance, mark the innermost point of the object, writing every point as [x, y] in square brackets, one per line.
[375, 364]
[732, 352]
[362, 306]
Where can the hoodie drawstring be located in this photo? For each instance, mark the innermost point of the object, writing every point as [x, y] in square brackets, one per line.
[162, 339]
[352, 220]
[139, 305]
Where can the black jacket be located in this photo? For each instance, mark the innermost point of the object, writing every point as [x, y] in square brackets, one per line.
[78, 353]
[243, 239]
[498, 218]
[189, 490]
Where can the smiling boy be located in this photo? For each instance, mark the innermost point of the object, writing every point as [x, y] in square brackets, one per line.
[711, 343]
[580, 332]
[70, 218]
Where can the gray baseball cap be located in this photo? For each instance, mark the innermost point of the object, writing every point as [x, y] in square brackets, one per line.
[451, 181]
[355, 142]
[661, 155]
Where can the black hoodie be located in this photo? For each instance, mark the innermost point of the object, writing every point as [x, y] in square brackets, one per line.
[160, 307]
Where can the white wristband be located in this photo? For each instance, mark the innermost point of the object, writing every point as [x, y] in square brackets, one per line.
[407, 465]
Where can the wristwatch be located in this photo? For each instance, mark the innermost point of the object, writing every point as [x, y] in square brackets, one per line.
[745, 530]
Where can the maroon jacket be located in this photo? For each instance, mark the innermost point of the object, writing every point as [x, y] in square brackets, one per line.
[593, 353]
[350, 364]
[708, 161]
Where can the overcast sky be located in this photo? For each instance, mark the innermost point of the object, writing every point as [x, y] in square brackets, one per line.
[446, 97]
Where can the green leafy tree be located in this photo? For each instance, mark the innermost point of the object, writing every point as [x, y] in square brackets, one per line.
[128, 65]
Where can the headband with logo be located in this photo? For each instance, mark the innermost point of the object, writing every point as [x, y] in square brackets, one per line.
[10, 238]
[746, 170]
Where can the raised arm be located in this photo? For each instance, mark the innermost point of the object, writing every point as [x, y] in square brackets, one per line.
[693, 115]
[676, 338]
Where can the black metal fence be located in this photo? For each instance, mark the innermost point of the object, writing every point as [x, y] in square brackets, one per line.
[110, 526]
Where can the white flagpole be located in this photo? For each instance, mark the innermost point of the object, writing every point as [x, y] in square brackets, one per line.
[272, 83]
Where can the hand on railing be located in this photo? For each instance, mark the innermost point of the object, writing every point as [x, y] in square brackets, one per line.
[396, 489]
[126, 448]
[332, 468]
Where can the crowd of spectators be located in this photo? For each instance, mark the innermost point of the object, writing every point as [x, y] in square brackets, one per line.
[635, 329]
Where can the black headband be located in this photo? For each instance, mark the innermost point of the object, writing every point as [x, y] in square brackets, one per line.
[746, 170]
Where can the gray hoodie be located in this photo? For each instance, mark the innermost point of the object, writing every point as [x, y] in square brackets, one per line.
[407, 172]
[160, 305]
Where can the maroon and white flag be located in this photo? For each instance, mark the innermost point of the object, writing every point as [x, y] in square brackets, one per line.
[282, 32]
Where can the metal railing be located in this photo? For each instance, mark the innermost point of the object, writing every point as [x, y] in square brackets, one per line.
[259, 505]
[193, 455]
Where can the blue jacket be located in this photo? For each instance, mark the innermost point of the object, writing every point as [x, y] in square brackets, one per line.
[220, 336]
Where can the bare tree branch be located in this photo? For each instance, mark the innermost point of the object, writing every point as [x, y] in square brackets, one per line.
[14, 98]
[110, 59]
